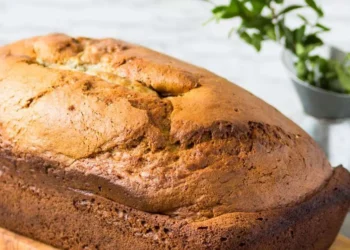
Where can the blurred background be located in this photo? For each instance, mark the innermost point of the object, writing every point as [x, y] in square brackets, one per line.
[175, 27]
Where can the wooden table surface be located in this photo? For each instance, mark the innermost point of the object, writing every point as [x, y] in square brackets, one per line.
[12, 241]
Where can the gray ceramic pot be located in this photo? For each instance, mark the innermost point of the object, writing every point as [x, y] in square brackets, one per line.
[328, 112]
[317, 102]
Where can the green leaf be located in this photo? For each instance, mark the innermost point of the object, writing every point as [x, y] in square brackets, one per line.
[299, 33]
[219, 9]
[310, 78]
[289, 9]
[311, 47]
[344, 77]
[314, 6]
[232, 10]
[301, 69]
[258, 22]
[271, 33]
[256, 41]
[288, 34]
[258, 26]
[300, 50]
[331, 75]
[244, 12]
[312, 39]
[210, 20]
[258, 6]
[321, 26]
[225, 12]
[246, 37]
[343, 73]
[346, 63]
[303, 19]
[231, 32]
[218, 13]
[323, 65]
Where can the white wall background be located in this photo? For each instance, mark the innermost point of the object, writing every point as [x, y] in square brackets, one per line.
[175, 27]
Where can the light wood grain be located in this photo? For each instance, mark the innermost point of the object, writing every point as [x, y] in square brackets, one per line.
[12, 241]
[341, 243]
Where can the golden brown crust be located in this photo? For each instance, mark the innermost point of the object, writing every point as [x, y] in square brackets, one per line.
[38, 204]
[169, 137]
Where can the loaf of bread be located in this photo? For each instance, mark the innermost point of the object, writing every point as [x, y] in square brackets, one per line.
[109, 145]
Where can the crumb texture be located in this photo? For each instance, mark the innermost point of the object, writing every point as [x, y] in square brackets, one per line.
[160, 135]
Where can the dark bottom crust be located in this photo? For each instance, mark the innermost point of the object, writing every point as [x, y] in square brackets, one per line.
[72, 219]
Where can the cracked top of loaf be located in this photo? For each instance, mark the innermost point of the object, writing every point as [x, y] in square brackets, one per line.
[169, 137]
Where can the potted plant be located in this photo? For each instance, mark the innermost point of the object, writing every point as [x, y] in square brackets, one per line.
[320, 73]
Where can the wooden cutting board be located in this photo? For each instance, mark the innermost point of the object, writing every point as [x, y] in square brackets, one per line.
[12, 241]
